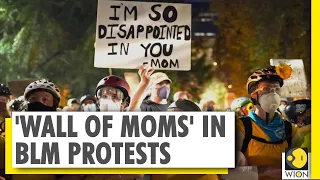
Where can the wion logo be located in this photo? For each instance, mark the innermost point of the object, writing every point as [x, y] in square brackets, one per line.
[295, 164]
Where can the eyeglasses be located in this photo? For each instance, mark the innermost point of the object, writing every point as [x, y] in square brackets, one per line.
[110, 93]
[268, 89]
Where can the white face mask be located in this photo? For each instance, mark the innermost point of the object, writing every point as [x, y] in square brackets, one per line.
[90, 108]
[282, 107]
[270, 102]
[109, 105]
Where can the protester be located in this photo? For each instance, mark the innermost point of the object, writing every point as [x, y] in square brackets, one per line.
[88, 103]
[299, 113]
[159, 91]
[263, 135]
[283, 104]
[40, 95]
[241, 106]
[113, 94]
[2, 157]
[74, 104]
[4, 97]
[208, 106]
[179, 106]
[180, 95]
[4, 113]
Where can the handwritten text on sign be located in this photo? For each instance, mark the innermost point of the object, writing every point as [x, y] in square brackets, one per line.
[117, 139]
[296, 85]
[130, 34]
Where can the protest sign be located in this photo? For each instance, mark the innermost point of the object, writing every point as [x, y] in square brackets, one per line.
[296, 85]
[122, 140]
[130, 34]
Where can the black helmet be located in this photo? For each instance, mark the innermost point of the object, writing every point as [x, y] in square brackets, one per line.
[4, 90]
[184, 105]
[296, 108]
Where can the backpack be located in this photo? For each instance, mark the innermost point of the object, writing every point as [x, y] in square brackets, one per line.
[247, 123]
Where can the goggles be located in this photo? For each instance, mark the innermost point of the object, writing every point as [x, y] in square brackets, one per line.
[268, 89]
[112, 93]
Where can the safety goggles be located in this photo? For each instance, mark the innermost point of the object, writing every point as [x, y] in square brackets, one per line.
[268, 89]
[112, 93]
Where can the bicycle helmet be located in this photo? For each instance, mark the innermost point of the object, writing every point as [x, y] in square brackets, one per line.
[116, 82]
[4, 90]
[71, 101]
[239, 102]
[296, 108]
[43, 85]
[265, 74]
[88, 97]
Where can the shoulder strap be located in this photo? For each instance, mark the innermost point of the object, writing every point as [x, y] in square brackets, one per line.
[288, 129]
[248, 133]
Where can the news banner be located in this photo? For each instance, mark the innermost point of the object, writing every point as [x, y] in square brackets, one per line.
[123, 140]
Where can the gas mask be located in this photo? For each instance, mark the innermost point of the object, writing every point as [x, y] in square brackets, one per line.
[90, 108]
[164, 92]
[269, 102]
[109, 105]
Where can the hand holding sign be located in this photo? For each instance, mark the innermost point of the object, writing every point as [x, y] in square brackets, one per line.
[145, 72]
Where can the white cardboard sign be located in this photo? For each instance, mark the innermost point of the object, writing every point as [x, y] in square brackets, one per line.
[296, 85]
[130, 34]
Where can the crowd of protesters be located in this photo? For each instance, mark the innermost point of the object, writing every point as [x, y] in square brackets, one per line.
[266, 123]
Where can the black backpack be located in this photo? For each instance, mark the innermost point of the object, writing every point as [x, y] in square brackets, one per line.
[247, 123]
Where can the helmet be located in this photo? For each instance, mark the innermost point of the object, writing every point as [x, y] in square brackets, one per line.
[45, 85]
[116, 82]
[71, 101]
[184, 105]
[261, 75]
[296, 108]
[239, 102]
[88, 97]
[284, 100]
[4, 90]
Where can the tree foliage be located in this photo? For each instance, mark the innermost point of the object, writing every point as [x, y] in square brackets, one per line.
[55, 39]
[253, 32]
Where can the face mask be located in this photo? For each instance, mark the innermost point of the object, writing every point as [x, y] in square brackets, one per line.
[90, 108]
[210, 109]
[281, 108]
[270, 102]
[38, 106]
[3, 106]
[164, 92]
[109, 105]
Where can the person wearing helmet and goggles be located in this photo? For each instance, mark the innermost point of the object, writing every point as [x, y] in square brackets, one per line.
[113, 94]
[241, 106]
[88, 103]
[263, 135]
[299, 113]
